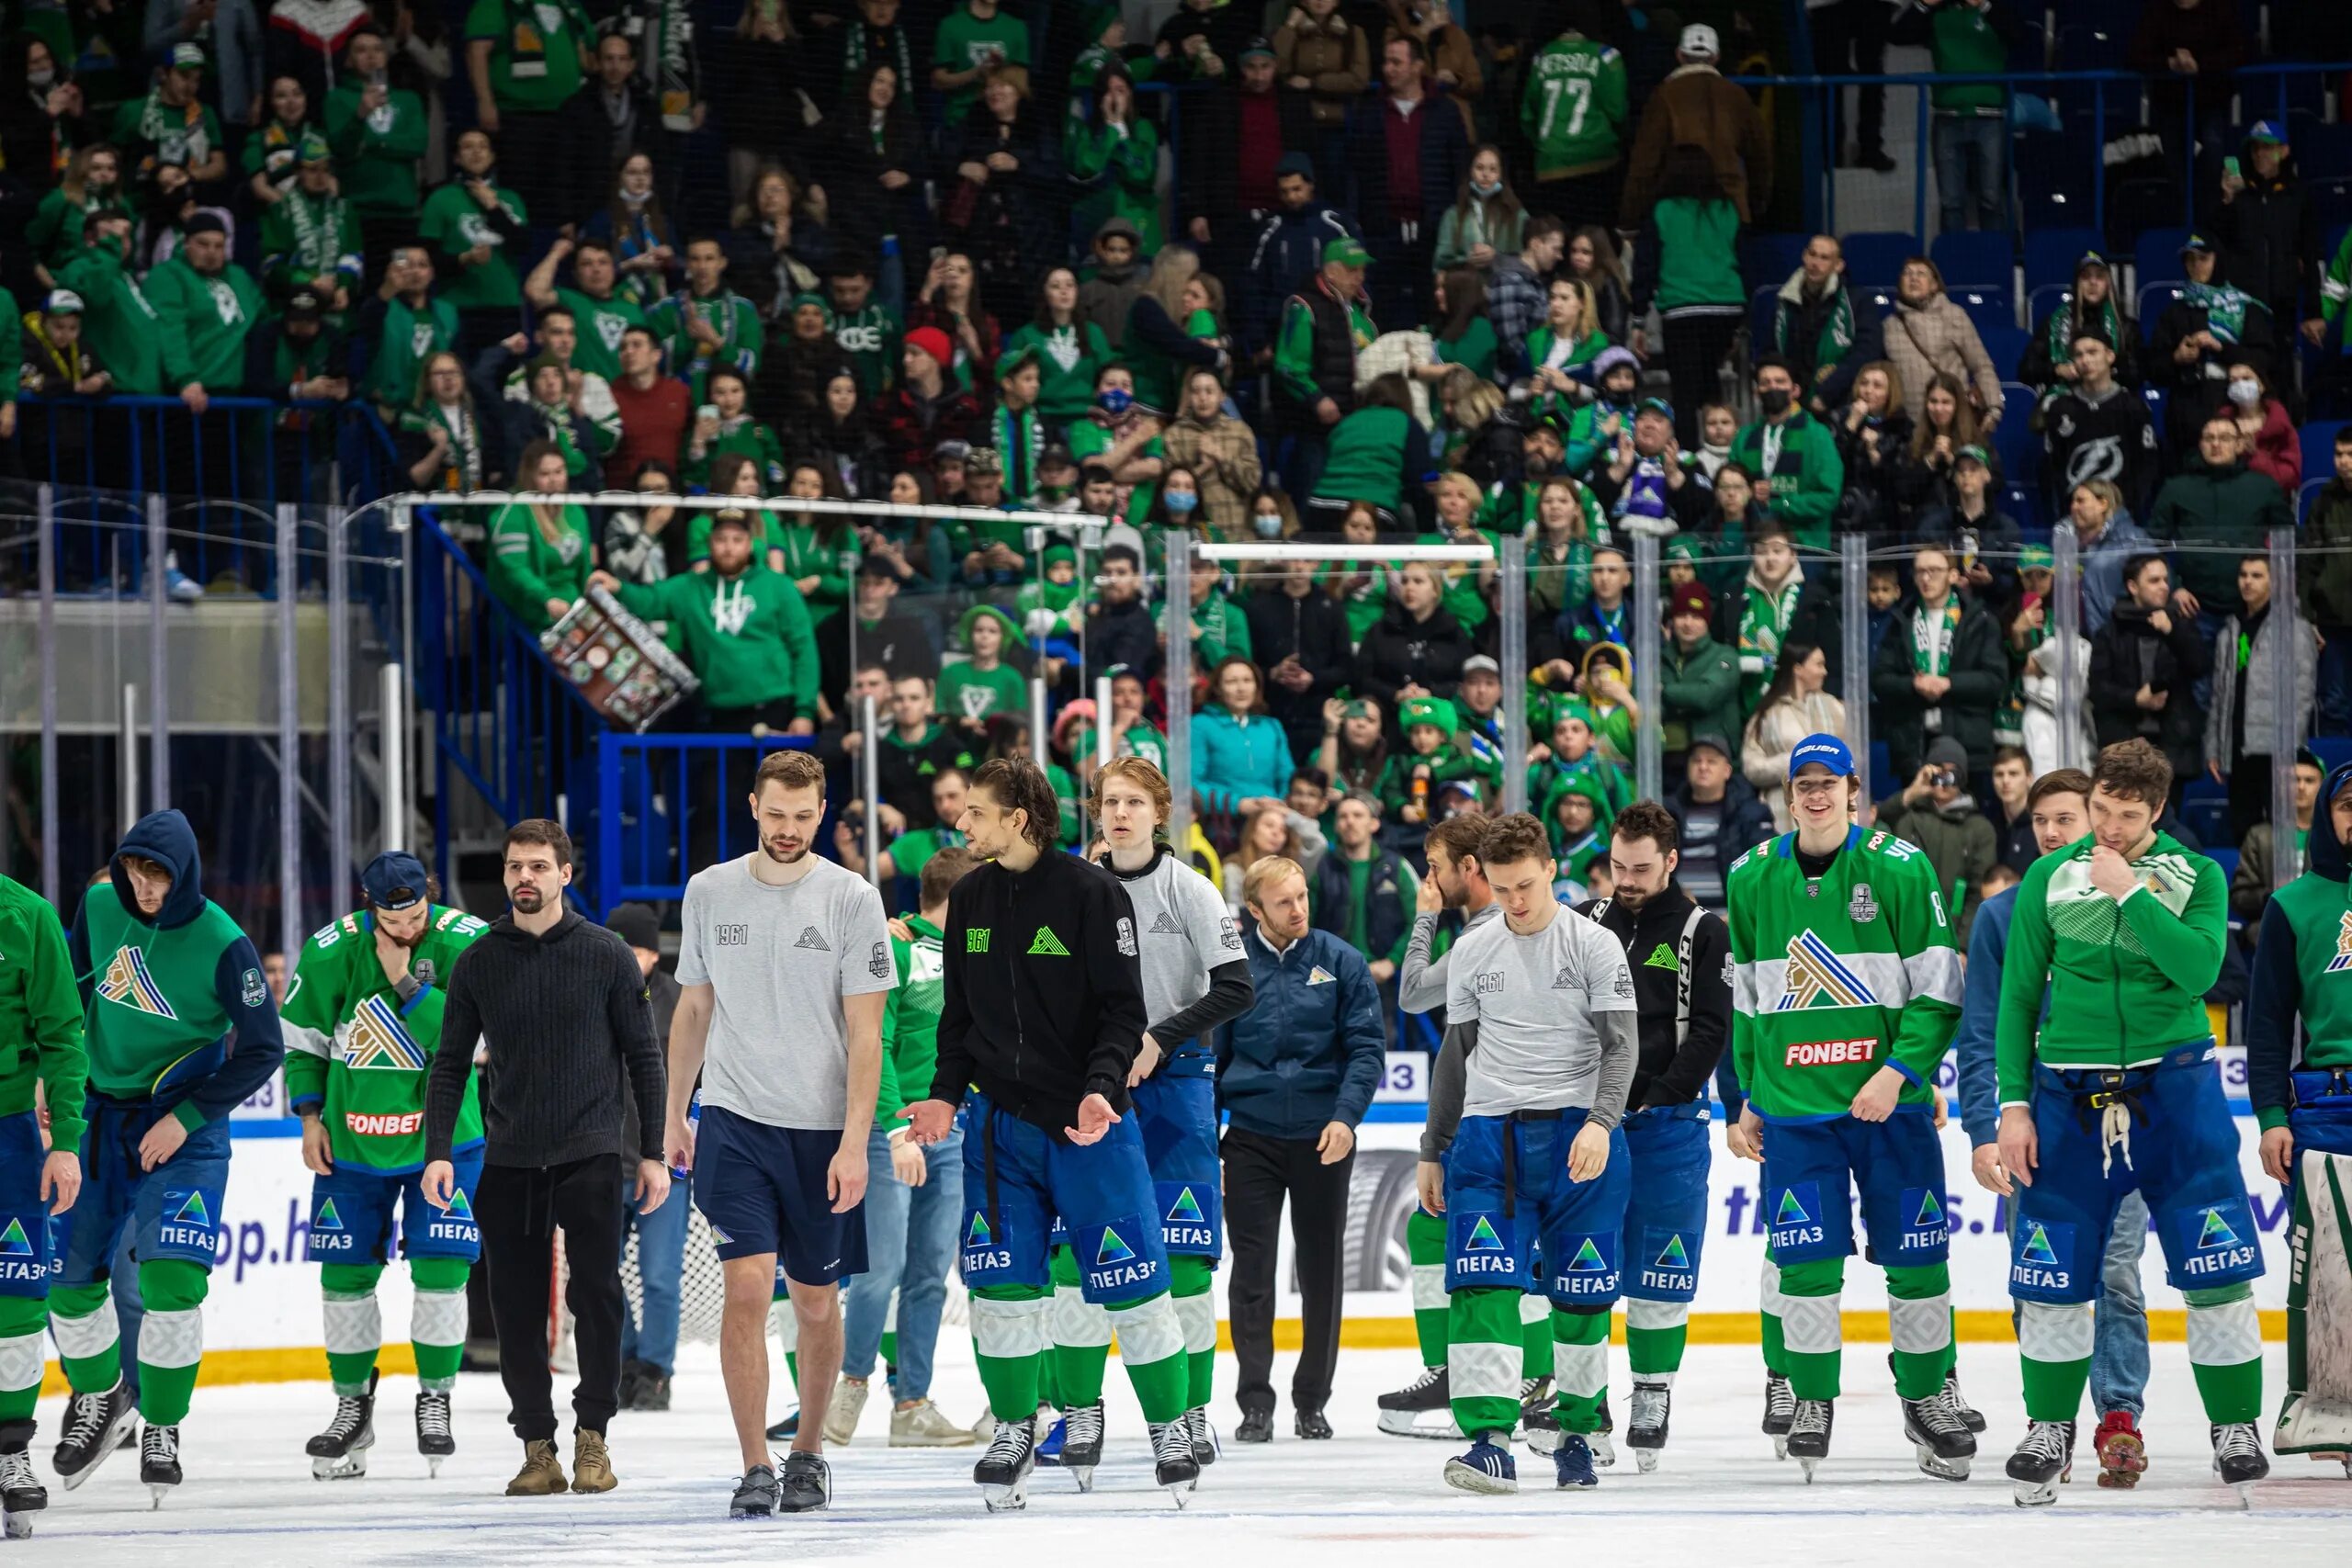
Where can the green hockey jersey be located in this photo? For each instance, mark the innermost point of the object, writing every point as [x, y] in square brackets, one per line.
[1573, 107]
[1837, 976]
[359, 1055]
[40, 1014]
[911, 1020]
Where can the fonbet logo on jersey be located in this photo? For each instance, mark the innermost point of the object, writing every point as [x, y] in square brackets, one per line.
[1831, 1052]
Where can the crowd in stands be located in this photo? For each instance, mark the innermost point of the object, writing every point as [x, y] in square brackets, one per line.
[1402, 280]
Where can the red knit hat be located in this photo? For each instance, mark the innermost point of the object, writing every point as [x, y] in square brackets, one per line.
[933, 342]
[1692, 598]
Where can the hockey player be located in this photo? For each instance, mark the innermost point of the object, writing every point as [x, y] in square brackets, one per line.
[1680, 956]
[2305, 1111]
[362, 1022]
[1526, 1096]
[1195, 978]
[181, 1028]
[1424, 1408]
[40, 1026]
[1845, 992]
[2119, 1091]
[1040, 1025]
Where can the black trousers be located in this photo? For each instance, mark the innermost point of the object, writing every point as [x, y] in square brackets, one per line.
[1694, 351]
[1258, 1173]
[519, 1209]
[1850, 39]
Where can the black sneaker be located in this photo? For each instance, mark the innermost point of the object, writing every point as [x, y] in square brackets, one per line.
[786, 1429]
[755, 1494]
[806, 1485]
[1312, 1425]
[632, 1378]
[654, 1392]
[1257, 1427]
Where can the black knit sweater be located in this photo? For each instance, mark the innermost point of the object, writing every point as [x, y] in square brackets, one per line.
[566, 1016]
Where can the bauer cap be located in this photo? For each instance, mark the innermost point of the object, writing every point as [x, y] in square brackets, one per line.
[1823, 751]
[394, 880]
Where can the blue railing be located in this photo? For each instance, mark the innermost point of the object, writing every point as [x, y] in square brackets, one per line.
[660, 811]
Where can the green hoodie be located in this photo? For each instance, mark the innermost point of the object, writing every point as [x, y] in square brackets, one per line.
[411, 337]
[306, 237]
[41, 1015]
[748, 637]
[1069, 359]
[375, 155]
[119, 323]
[1223, 630]
[1573, 107]
[968, 692]
[911, 1019]
[205, 320]
[2229, 511]
[2126, 981]
[1699, 690]
[748, 437]
[526, 569]
[1801, 483]
[601, 323]
[453, 224]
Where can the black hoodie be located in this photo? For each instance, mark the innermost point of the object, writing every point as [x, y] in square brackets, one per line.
[1043, 991]
[566, 1016]
[1675, 1066]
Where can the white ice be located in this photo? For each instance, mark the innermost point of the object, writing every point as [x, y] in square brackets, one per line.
[1362, 1501]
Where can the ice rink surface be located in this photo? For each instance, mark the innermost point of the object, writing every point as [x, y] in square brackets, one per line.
[1365, 1500]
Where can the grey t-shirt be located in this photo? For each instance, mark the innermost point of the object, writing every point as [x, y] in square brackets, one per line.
[1185, 932]
[778, 961]
[1534, 999]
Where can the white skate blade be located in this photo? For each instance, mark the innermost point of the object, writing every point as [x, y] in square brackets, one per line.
[1646, 1460]
[1808, 1466]
[1545, 1440]
[161, 1492]
[16, 1527]
[2033, 1494]
[1006, 1499]
[1182, 1493]
[2313, 1425]
[1604, 1452]
[1941, 1469]
[350, 1467]
[1780, 1445]
[1082, 1474]
[433, 1466]
[1436, 1424]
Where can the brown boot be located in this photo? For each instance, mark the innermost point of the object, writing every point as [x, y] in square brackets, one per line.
[591, 1467]
[542, 1473]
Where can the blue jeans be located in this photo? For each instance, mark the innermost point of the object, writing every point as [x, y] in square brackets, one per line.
[660, 1266]
[2119, 1335]
[1967, 150]
[909, 1249]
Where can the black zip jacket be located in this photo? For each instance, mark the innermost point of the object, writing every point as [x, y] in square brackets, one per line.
[1672, 1072]
[1044, 1001]
[568, 1020]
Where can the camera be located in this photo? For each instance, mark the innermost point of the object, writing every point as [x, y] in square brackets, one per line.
[1944, 777]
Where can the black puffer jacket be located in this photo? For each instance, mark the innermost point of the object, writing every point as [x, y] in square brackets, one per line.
[1398, 649]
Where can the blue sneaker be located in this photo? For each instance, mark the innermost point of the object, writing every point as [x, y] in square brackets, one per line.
[1486, 1467]
[1573, 1459]
[1049, 1452]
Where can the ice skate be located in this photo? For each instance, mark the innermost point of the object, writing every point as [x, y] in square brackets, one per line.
[1422, 1408]
[434, 1439]
[21, 1493]
[1540, 1422]
[340, 1453]
[1003, 1471]
[96, 1426]
[1572, 1462]
[2040, 1465]
[1173, 1466]
[2122, 1455]
[755, 1494]
[1645, 1427]
[1605, 1451]
[806, 1485]
[159, 1461]
[1202, 1433]
[1969, 1416]
[2238, 1459]
[1486, 1467]
[1941, 1441]
[1809, 1433]
[1049, 1446]
[1082, 1443]
[1779, 1413]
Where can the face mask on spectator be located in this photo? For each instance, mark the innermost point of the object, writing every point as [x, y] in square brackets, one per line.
[1775, 400]
[1268, 524]
[1180, 501]
[1115, 400]
[40, 77]
[2246, 391]
[1485, 187]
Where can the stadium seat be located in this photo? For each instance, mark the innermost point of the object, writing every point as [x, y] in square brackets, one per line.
[1989, 310]
[1761, 306]
[2319, 448]
[2015, 439]
[1769, 258]
[2053, 189]
[2005, 345]
[2157, 255]
[2040, 302]
[2155, 299]
[1874, 258]
[2023, 504]
[2331, 200]
[2051, 254]
[2157, 399]
[1973, 260]
[2305, 496]
[2205, 807]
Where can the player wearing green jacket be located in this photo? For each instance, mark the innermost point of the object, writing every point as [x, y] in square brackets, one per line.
[40, 1029]
[1573, 107]
[2118, 1090]
[742, 628]
[181, 1029]
[362, 1020]
[1845, 995]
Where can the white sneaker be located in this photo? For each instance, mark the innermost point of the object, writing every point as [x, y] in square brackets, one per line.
[841, 1416]
[924, 1425]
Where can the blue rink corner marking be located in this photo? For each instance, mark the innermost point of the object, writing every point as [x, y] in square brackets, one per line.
[1408, 1110]
[266, 1127]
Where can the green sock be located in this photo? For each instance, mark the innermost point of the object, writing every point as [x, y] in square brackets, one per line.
[1535, 1359]
[1080, 1336]
[1812, 1333]
[1919, 1323]
[171, 1342]
[1190, 1279]
[22, 1319]
[1425, 1247]
[2054, 1357]
[1485, 1348]
[2225, 1352]
[1151, 1343]
[1582, 1378]
[1655, 1334]
[88, 1344]
[889, 1350]
[1008, 1340]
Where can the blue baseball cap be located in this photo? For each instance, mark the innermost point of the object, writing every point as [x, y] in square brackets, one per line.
[1824, 749]
[394, 880]
[2268, 131]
